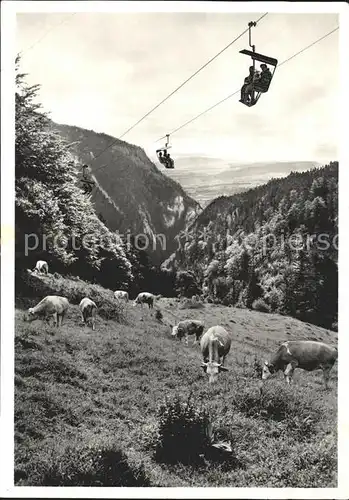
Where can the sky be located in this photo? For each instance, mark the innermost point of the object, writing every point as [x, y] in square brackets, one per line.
[104, 71]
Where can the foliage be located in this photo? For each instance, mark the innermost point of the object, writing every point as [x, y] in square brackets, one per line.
[260, 305]
[88, 466]
[186, 284]
[183, 433]
[158, 315]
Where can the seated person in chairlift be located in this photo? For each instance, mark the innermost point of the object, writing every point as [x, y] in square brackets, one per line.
[248, 80]
[251, 87]
[161, 158]
[265, 78]
[169, 161]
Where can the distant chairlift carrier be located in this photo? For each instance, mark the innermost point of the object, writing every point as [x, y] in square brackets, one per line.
[257, 89]
[163, 156]
[87, 183]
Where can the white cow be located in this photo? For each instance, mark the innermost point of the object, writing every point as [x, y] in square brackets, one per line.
[41, 267]
[188, 327]
[51, 306]
[145, 298]
[88, 311]
[121, 295]
[307, 354]
[215, 345]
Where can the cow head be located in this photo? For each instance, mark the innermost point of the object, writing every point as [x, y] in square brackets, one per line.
[30, 316]
[174, 331]
[268, 369]
[212, 370]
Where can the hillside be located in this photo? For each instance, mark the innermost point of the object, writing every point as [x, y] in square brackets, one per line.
[132, 194]
[81, 394]
[276, 243]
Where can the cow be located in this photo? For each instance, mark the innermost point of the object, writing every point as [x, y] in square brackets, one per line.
[215, 345]
[51, 306]
[188, 327]
[121, 295]
[306, 354]
[145, 298]
[88, 310]
[41, 267]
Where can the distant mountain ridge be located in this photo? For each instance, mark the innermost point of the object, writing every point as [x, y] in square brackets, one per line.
[208, 178]
[132, 195]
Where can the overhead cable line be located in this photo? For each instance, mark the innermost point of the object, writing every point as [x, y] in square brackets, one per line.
[179, 87]
[44, 35]
[48, 31]
[237, 91]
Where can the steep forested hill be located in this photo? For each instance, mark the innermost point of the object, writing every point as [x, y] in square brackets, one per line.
[273, 247]
[132, 195]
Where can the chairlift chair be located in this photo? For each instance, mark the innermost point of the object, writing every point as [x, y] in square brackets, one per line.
[167, 162]
[257, 90]
[87, 183]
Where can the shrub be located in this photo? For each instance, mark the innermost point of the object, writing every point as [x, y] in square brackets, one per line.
[88, 466]
[257, 367]
[158, 315]
[189, 304]
[183, 432]
[261, 306]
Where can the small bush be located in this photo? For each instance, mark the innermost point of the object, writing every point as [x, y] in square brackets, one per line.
[189, 304]
[89, 466]
[158, 315]
[261, 306]
[257, 367]
[183, 432]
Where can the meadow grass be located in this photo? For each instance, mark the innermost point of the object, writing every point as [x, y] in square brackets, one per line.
[88, 404]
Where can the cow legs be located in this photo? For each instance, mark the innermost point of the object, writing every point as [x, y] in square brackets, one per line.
[186, 340]
[288, 373]
[55, 319]
[326, 372]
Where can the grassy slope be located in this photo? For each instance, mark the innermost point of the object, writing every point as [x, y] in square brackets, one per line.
[77, 387]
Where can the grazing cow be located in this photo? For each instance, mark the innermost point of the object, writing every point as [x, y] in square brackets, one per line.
[51, 306]
[88, 310]
[307, 354]
[188, 327]
[145, 298]
[121, 295]
[215, 345]
[41, 267]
